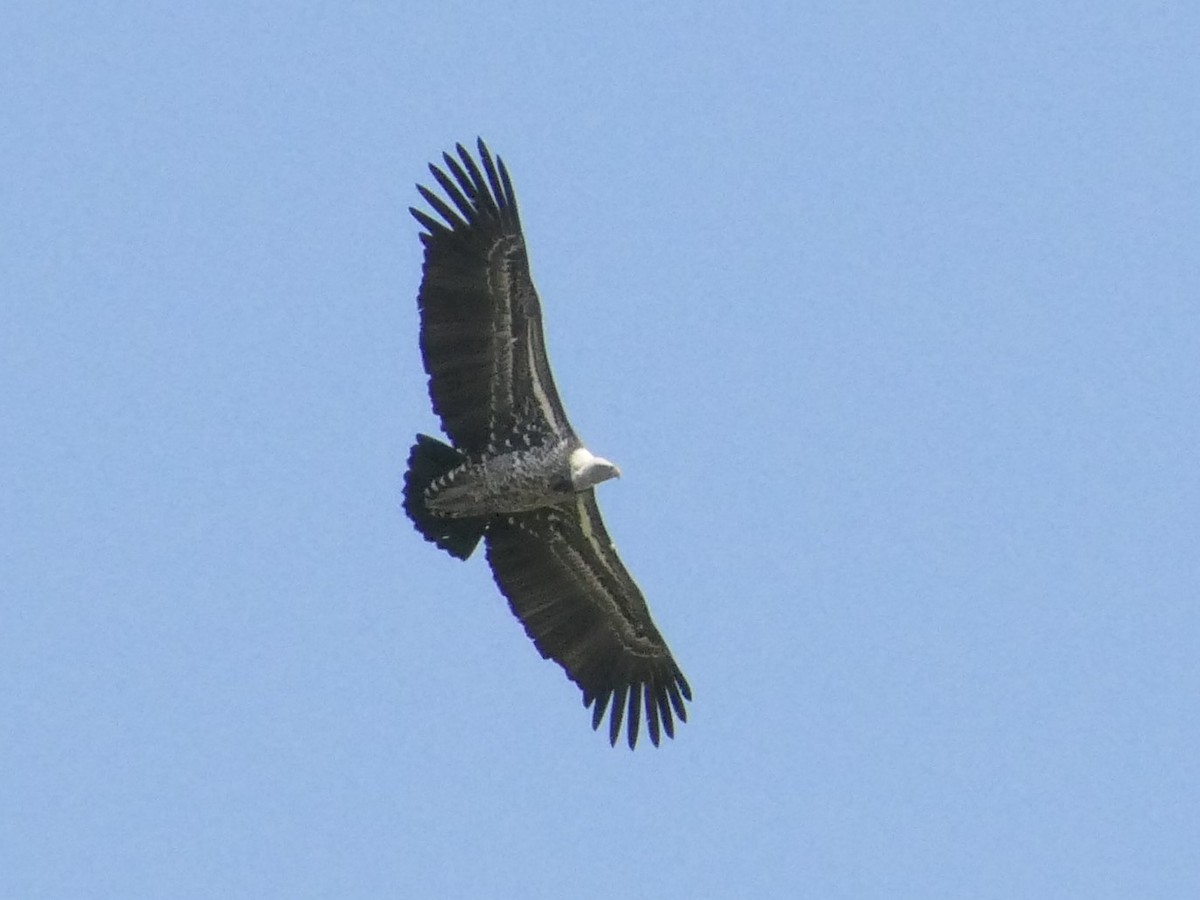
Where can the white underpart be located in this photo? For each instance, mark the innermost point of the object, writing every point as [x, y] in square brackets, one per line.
[539, 392]
[601, 553]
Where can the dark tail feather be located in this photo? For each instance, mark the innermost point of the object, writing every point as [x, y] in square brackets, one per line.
[430, 459]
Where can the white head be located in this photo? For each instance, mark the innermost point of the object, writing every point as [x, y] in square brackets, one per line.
[588, 470]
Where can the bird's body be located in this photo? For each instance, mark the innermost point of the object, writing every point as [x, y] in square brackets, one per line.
[517, 476]
[510, 482]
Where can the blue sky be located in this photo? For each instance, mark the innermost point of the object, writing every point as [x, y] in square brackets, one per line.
[890, 314]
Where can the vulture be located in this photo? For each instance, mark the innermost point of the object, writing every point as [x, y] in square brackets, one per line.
[514, 473]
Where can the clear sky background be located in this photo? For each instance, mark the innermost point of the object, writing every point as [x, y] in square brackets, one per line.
[890, 314]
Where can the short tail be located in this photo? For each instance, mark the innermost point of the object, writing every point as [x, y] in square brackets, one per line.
[430, 459]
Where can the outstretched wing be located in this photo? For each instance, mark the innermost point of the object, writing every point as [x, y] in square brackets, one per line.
[563, 580]
[481, 322]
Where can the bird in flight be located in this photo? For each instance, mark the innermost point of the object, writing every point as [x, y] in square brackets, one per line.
[515, 474]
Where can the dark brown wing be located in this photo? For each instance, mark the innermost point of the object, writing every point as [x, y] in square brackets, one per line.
[481, 322]
[563, 579]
